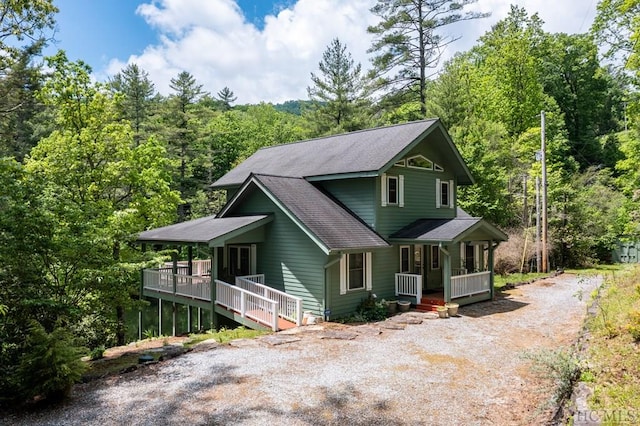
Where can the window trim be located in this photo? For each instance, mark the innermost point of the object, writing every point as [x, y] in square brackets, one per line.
[344, 273]
[397, 201]
[384, 190]
[444, 192]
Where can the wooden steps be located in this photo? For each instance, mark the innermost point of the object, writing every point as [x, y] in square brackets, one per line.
[429, 303]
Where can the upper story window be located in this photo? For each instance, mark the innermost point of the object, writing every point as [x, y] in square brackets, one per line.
[420, 162]
[445, 194]
[392, 190]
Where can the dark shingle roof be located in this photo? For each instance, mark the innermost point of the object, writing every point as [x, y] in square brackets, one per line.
[200, 230]
[445, 229]
[331, 223]
[362, 151]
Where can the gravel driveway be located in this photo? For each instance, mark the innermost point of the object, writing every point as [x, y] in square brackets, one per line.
[463, 370]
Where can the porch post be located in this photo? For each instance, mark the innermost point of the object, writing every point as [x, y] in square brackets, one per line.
[446, 273]
[490, 264]
[214, 276]
[144, 250]
[174, 258]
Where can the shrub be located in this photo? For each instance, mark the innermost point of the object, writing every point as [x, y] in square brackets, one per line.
[634, 325]
[51, 363]
[371, 310]
[97, 353]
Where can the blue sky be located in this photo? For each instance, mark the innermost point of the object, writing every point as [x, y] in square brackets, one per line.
[263, 50]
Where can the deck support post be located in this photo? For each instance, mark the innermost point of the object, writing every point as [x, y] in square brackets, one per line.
[174, 258]
[199, 319]
[159, 317]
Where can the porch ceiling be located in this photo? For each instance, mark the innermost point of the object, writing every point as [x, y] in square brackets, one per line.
[205, 230]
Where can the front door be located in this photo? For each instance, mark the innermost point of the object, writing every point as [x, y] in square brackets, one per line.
[239, 260]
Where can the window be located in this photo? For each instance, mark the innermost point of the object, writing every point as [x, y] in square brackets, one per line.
[392, 190]
[417, 260]
[444, 194]
[355, 272]
[240, 260]
[355, 267]
[420, 162]
[400, 163]
[438, 168]
[435, 257]
[404, 259]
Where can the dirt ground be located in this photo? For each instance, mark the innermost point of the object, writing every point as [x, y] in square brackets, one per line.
[410, 370]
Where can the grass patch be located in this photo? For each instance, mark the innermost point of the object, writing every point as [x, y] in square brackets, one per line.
[224, 335]
[614, 348]
[502, 280]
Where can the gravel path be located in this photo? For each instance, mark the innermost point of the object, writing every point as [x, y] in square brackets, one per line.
[463, 370]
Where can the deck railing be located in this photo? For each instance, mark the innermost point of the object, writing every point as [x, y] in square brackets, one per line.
[409, 285]
[199, 267]
[191, 286]
[470, 284]
[289, 307]
[247, 304]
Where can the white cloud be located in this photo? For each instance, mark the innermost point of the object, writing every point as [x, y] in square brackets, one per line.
[212, 40]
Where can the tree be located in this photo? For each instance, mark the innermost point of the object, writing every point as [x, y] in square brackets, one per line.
[226, 97]
[137, 90]
[101, 190]
[407, 42]
[184, 118]
[338, 95]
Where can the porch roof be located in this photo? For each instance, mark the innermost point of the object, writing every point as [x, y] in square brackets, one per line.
[463, 227]
[204, 230]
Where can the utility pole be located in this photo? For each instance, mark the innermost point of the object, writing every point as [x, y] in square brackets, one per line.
[538, 224]
[543, 158]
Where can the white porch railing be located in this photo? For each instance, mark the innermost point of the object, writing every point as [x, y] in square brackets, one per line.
[248, 304]
[289, 307]
[186, 285]
[409, 285]
[470, 284]
[199, 267]
[195, 287]
[159, 280]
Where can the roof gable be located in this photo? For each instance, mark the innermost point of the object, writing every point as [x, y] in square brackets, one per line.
[365, 152]
[326, 222]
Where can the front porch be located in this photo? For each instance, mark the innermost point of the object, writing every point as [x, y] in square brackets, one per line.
[463, 289]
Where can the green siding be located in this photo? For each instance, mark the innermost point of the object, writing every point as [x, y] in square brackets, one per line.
[289, 259]
[383, 275]
[419, 200]
[358, 195]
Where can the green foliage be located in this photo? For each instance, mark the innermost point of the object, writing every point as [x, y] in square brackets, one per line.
[370, 309]
[338, 95]
[224, 335]
[559, 368]
[51, 363]
[97, 353]
[408, 42]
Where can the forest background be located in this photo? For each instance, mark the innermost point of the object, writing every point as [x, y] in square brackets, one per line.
[86, 165]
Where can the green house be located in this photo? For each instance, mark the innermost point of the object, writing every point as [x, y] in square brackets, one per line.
[331, 220]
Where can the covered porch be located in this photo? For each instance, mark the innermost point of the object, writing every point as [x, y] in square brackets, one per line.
[446, 260]
[236, 292]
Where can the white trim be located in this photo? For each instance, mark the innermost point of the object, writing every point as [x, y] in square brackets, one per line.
[383, 187]
[401, 191]
[401, 163]
[437, 167]
[451, 194]
[368, 282]
[343, 274]
[438, 192]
